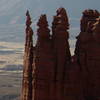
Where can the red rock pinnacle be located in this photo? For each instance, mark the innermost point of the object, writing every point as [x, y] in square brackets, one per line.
[28, 61]
[87, 53]
[60, 37]
[88, 15]
[88, 19]
[44, 71]
[52, 75]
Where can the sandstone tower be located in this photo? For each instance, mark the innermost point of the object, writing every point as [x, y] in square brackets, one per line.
[28, 61]
[85, 51]
[44, 61]
[62, 54]
[51, 73]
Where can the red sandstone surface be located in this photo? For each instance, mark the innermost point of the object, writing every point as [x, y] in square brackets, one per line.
[28, 61]
[51, 73]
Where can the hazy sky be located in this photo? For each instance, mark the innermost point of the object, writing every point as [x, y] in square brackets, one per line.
[15, 9]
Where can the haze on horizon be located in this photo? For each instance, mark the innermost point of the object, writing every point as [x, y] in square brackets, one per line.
[13, 11]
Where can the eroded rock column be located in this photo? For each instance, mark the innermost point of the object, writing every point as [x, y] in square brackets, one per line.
[62, 54]
[83, 50]
[44, 71]
[93, 63]
[88, 19]
[28, 61]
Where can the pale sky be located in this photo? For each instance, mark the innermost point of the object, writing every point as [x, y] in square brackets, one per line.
[17, 8]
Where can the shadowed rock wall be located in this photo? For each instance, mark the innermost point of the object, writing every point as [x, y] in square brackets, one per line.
[51, 73]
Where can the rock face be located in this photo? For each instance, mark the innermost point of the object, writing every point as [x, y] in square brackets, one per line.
[60, 42]
[62, 54]
[87, 51]
[88, 19]
[53, 74]
[96, 30]
[28, 61]
[44, 71]
[89, 15]
[92, 50]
